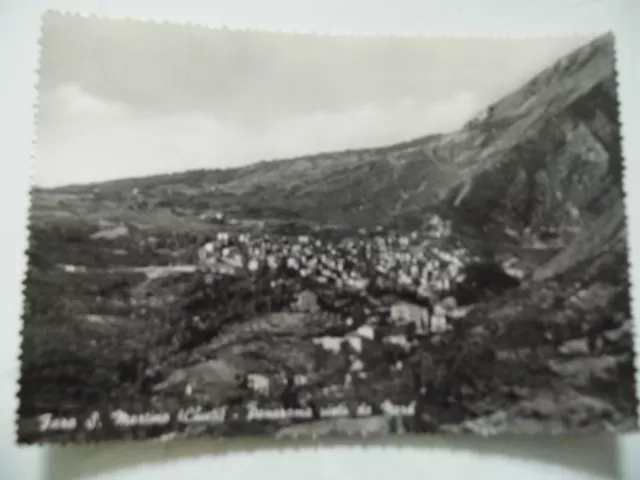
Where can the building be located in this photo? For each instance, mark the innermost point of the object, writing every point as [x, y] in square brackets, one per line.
[307, 302]
[404, 313]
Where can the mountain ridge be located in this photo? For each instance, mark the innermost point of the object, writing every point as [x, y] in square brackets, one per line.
[555, 137]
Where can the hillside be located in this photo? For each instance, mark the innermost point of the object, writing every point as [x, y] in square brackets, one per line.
[545, 154]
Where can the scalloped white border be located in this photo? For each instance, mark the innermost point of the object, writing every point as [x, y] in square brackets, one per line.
[283, 32]
[339, 33]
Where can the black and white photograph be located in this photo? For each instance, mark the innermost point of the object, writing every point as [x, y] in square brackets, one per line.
[303, 236]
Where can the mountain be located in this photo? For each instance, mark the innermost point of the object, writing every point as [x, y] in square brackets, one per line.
[558, 154]
[548, 154]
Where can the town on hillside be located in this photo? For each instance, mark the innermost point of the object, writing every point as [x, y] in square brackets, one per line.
[316, 320]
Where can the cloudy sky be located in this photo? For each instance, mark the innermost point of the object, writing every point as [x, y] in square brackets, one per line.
[123, 98]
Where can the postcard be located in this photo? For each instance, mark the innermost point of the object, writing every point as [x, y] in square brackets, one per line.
[248, 233]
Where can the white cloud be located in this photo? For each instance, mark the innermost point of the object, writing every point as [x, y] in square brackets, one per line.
[86, 138]
[370, 125]
[74, 100]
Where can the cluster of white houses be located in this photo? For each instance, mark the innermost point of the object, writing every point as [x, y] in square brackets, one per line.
[404, 262]
[400, 260]
[407, 261]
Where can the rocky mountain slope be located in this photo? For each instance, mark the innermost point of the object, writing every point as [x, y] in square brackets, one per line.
[549, 153]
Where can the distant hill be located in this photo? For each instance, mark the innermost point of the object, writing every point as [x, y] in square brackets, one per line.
[547, 154]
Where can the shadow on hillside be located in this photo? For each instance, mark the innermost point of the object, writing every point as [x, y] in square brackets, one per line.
[593, 455]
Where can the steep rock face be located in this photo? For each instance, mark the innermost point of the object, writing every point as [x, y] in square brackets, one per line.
[558, 162]
[599, 249]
